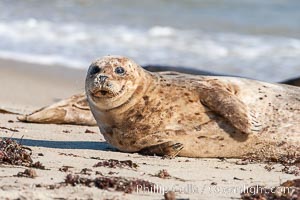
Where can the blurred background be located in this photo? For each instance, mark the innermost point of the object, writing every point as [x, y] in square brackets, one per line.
[252, 38]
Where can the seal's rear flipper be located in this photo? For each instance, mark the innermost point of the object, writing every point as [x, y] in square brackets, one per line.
[228, 105]
[167, 149]
[74, 110]
[4, 111]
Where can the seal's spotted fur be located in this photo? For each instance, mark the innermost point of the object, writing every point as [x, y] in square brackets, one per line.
[193, 116]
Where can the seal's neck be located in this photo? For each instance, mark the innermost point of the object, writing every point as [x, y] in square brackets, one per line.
[145, 82]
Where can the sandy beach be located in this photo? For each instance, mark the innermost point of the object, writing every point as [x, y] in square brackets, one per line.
[26, 87]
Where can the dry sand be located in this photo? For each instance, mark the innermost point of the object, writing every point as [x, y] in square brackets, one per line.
[25, 87]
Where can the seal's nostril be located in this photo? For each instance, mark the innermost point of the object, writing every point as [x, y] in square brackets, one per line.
[102, 78]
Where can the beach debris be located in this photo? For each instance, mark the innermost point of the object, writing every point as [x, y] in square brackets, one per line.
[73, 110]
[290, 162]
[99, 173]
[51, 186]
[111, 163]
[244, 161]
[95, 158]
[65, 168]
[289, 190]
[69, 154]
[10, 121]
[163, 174]
[9, 129]
[295, 170]
[30, 173]
[13, 153]
[90, 131]
[239, 179]
[86, 171]
[170, 195]
[112, 173]
[111, 183]
[269, 167]
[66, 131]
[38, 165]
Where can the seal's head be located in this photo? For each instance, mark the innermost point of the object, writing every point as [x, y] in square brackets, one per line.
[112, 80]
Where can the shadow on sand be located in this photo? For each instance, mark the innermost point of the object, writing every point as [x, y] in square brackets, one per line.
[103, 146]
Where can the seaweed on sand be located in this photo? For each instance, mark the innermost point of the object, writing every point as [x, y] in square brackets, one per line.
[110, 183]
[111, 163]
[290, 162]
[13, 153]
[289, 190]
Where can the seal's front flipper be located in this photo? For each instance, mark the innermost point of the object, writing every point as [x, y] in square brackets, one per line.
[229, 106]
[167, 149]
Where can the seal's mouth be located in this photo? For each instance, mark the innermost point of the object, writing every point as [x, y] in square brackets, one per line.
[105, 92]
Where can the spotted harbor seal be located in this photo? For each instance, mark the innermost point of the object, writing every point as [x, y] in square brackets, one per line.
[193, 116]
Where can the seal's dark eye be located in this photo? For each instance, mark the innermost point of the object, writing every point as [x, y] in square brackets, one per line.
[120, 70]
[94, 70]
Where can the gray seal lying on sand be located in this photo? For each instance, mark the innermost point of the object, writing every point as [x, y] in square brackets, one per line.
[194, 116]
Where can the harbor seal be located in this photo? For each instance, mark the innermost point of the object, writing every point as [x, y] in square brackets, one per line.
[193, 116]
